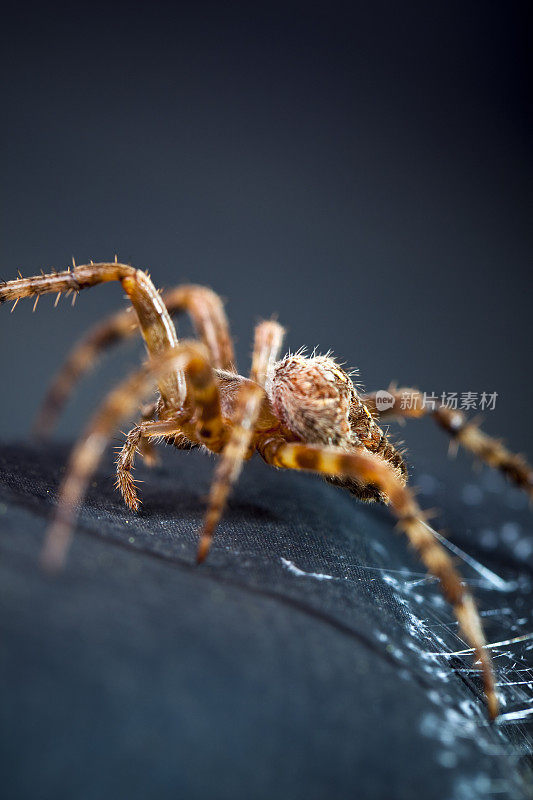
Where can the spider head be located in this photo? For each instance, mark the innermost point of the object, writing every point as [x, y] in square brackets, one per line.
[312, 398]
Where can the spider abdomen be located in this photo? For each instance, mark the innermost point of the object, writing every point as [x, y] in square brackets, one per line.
[315, 399]
[312, 398]
[370, 435]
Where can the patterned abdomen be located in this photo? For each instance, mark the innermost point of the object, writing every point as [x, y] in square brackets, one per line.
[317, 402]
[373, 438]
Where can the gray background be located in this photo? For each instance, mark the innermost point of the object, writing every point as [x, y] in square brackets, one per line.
[365, 172]
[362, 170]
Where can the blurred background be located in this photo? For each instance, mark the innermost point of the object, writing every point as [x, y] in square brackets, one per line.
[363, 170]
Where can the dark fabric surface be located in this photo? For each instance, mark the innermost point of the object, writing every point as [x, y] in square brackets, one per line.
[308, 658]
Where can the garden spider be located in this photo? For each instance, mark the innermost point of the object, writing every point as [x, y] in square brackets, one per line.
[298, 412]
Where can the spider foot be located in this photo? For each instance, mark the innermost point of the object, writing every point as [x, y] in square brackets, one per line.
[204, 545]
[128, 489]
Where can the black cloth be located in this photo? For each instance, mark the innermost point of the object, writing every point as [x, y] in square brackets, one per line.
[309, 657]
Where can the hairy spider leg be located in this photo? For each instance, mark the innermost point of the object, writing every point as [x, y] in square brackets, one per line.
[268, 339]
[200, 422]
[250, 402]
[206, 310]
[209, 319]
[191, 358]
[146, 447]
[463, 431]
[80, 359]
[136, 442]
[370, 469]
[154, 320]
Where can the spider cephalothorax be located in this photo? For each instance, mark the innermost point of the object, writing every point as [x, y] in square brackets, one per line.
[297, 412]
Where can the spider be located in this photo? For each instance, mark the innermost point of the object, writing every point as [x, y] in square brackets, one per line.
[298, 412]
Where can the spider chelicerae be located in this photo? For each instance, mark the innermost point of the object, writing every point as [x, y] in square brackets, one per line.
[298, 412]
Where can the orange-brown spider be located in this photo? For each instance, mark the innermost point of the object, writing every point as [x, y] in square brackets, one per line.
[298, 413]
